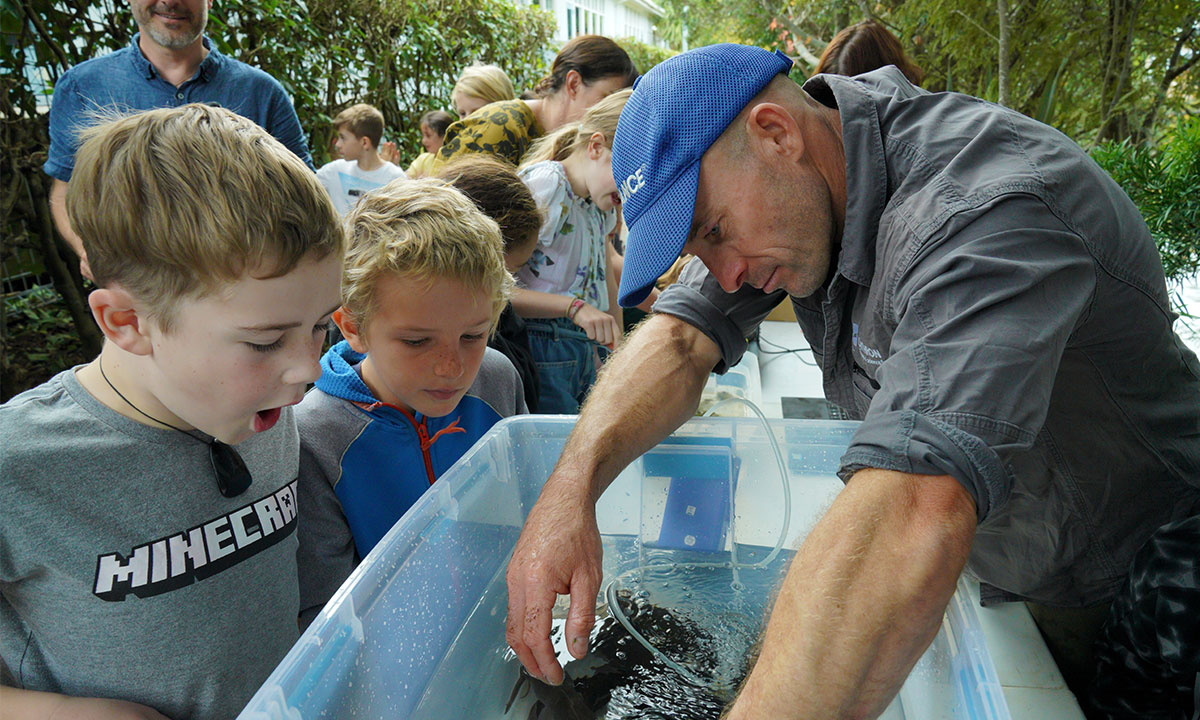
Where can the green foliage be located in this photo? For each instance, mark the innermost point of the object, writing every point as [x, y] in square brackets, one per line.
[402, 56]
[1162, 180]
[39, 339]
[644, 56]
[1096, 71]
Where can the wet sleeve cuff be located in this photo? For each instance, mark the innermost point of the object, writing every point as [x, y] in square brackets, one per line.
[909, 442]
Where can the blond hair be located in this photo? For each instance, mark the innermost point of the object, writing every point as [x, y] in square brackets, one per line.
[363, 121]
[421, 229]
[599, 118]
[486, 82]
[174, 203]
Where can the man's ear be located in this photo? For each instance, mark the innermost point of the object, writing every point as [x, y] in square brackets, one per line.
[771, 129]
[351, 330]
[120, 319]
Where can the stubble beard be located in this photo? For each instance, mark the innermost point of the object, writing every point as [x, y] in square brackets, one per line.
[171, 40]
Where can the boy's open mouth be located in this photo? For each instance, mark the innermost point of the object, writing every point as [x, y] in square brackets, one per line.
[265, 419]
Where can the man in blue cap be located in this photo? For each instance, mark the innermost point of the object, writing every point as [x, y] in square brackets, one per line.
[975, 289]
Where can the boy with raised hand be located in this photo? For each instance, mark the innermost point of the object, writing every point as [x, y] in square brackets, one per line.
[360, 169]
[148, 547]
[413, 385]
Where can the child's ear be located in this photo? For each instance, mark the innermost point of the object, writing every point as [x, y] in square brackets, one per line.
[351, 330]
[121, 321]
[596, 146]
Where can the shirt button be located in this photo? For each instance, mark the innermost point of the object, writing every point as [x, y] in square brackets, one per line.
[179, 96]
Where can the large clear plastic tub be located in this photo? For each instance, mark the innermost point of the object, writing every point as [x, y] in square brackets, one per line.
[418, 630]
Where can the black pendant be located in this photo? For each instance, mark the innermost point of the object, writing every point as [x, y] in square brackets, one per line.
[233, 477]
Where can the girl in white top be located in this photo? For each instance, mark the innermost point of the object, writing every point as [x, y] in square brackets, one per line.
[564, 289]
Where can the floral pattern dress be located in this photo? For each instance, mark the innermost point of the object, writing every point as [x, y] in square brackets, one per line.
[570, 257]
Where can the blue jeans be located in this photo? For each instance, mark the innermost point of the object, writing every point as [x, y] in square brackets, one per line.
[566, 363]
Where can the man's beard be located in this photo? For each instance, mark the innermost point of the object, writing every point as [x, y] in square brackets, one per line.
[176, 40]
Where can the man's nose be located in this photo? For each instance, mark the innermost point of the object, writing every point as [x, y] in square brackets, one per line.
[727, 268]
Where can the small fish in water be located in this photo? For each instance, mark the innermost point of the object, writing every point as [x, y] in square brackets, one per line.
[553, 703]
[619, 678]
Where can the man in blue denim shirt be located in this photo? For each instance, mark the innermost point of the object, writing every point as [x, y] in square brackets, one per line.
[169, 63]
[975, 289]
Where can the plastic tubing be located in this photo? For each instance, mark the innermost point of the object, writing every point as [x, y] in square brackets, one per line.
[614, 606]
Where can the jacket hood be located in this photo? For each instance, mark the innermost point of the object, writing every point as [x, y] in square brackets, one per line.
[338, 376]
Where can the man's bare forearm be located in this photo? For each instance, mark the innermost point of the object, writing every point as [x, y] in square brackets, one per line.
[863, 599]
[645, 391]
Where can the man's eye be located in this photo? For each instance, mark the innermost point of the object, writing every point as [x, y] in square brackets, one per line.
[714, 232]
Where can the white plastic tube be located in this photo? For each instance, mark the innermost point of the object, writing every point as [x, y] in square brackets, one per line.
[614, 605]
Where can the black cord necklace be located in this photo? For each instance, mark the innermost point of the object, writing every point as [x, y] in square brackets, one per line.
[233, 477]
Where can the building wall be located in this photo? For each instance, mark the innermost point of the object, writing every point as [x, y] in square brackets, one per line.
[613, 18]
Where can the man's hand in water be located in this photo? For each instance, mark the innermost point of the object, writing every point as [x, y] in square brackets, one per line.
[558, 553]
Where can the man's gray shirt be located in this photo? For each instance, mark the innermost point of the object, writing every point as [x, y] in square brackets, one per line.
[997, 313]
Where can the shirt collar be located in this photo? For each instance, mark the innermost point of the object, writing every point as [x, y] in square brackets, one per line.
[866, 170]
[208, 67]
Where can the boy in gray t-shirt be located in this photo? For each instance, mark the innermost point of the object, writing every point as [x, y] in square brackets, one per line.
[148, 498]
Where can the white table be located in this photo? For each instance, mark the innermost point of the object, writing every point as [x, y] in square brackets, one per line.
[1033, 686]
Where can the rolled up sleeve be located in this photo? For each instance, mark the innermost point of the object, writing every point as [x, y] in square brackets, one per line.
[726, 318]
[284, 124]
[982, 319]
[66, 114]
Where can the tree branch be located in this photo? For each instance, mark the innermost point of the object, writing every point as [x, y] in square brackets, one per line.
[1173, 71]
[982, 29]
[45, 34]
[796, 31]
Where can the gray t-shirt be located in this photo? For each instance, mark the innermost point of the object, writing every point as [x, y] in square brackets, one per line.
[123, 571]
[997, 313]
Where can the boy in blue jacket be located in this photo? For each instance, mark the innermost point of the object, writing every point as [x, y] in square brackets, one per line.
[413, 385]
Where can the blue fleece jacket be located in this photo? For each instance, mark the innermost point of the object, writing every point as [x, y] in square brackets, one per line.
[364, 462]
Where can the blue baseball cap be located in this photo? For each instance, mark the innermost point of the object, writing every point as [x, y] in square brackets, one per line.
[676, 112]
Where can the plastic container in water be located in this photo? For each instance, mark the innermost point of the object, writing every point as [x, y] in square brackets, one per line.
[418, 630]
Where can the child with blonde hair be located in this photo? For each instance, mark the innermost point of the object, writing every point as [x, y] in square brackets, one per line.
[480, 85]
[413, 385]
[566, 290]
[149, 533]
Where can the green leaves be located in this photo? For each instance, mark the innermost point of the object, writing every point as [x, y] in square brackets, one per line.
[1161, 179]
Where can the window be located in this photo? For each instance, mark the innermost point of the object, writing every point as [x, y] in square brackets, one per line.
[584, 17]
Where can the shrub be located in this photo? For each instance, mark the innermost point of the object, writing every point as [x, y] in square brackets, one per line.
[1162, 180]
